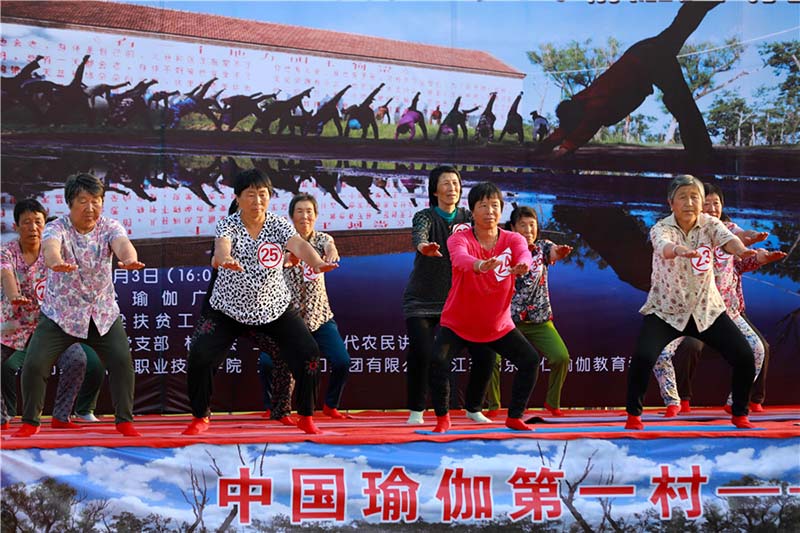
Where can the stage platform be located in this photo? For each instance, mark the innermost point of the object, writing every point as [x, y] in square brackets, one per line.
[257, 475]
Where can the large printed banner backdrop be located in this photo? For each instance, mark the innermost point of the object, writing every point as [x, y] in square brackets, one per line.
[738, 484]
[168, 162]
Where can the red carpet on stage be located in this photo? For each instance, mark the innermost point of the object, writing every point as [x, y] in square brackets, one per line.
[377, 427]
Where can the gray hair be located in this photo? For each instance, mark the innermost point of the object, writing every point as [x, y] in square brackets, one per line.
[682, 181]
[82, 182]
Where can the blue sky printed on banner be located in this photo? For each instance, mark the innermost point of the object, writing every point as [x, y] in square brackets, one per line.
[151, 480]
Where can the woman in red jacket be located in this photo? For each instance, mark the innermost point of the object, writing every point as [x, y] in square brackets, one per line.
[477, 313]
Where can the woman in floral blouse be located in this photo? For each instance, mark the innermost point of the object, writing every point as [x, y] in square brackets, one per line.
[728, 277]
[23, 278]
[684, 300]
[530, 305]
[80, 301]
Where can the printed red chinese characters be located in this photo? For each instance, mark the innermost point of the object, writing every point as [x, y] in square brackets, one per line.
[688, 488]
[536, 493]
[318, 494]
[464, 497]
[243, 491]
[395, 497]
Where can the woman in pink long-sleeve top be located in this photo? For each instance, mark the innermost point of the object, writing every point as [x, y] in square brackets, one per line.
[477, 313]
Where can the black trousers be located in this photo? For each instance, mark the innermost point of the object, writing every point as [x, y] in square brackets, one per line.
[513, 346]
[722, 335]
[691, 350]
[213, 336]
[421, 334]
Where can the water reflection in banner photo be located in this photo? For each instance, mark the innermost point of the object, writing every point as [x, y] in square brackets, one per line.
[170, 203]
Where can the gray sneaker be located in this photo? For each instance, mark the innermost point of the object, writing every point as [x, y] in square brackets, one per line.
[88, 417]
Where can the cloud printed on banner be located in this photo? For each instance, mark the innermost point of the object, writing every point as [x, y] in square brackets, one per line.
[146, 480]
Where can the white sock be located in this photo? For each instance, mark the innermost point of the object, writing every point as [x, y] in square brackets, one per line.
[478, 417]
[415, 418]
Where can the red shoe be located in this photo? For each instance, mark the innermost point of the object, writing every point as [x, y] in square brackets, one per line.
[266, 414]
[492, 413]
[742, 422]
[60, 424]
[288, 421]
[306, 423]
[442, 424]
[634, 422]
[685, 407]
[334, 413]
[5, 426]
[672, 411]
[518, 425]
[727, 408]
[555, 411]
[26, 430]
[197, 426]
[127, 429]
[756, 407]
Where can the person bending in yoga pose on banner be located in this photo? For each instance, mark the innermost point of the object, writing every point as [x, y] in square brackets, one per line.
[622, 88]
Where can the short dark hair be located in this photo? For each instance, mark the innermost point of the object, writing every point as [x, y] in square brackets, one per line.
[521, 211]
[569, 113]
[433, 181]
[303, 197]
[28, 205]
[82, 181]
[710, 188]
[233, 207]
[484, 189]
[251, 178]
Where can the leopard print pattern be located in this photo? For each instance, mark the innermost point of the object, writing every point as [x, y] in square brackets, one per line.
[309, 294]
[259, 294]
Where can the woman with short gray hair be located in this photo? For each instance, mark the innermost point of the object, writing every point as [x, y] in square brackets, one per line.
[684, 300]
[80, 303]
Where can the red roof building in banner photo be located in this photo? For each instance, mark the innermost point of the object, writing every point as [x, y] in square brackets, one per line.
[441, 73]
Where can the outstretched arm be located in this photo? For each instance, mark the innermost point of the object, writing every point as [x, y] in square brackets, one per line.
[559, 252]
[331, 252]
[750, 237]
[11, 288]
[126, 253]
[51, 249]
[461, 259]
[736, 247]
[300, 247]
[222, 255]
[551, 141]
